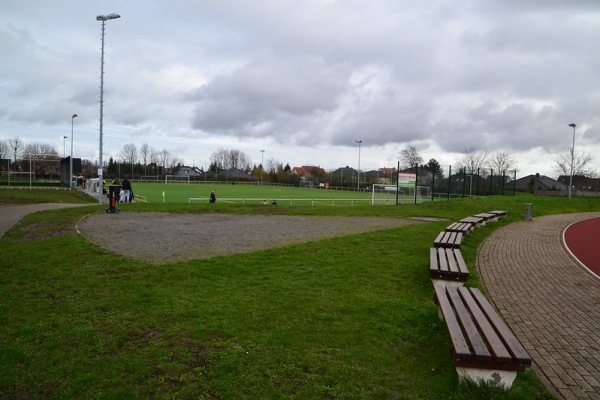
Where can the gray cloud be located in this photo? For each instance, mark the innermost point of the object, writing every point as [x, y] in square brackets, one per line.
[305, 80]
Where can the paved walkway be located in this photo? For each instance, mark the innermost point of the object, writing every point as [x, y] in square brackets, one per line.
[10, 215]
[550, 301]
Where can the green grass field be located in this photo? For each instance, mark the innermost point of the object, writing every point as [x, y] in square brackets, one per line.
[343, 318]
[254, 194]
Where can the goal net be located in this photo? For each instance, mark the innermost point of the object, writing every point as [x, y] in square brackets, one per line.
[149, 178]
[307, 184]
[177, 179]
[20, 178]
[390, 194]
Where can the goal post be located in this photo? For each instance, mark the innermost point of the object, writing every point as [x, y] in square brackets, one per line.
[177, 179]
[386, 194]
[149, 178]
[19, 178]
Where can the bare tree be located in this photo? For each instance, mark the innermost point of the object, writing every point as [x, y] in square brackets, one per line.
[219, 159]
[581, 165]
[164, 158]
[502, 162]
[45, 156]
[145, 152]
[40, 151]
[4, 149]
[410, 157]
[16, 146]
[129, 153]
[473, 161]
[225, 159]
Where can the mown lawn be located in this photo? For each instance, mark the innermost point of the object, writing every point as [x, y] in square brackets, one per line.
[342, 318]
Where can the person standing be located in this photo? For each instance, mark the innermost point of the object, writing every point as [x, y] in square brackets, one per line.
[127, 190]
[213, 197]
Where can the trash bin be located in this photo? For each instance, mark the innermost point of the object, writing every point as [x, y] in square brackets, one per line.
[113, 194]
[528, 211]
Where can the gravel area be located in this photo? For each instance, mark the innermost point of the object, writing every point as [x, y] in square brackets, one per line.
[165, 237]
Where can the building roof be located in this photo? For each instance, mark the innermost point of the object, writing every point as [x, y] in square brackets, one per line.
[537, 182]
[308, 170]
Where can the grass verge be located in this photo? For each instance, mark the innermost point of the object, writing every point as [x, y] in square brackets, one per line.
[342, 318]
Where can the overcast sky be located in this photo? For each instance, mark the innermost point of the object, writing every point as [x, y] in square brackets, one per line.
[305, 79]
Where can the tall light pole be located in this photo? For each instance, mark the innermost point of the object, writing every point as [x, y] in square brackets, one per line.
[572, 159]
[103, 19]
[262, 157]
[358, 172]
[71, 157]
[64, 145]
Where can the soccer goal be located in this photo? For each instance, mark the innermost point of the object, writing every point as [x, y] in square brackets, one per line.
[177, 179]
[20, 178]
[307, 184]
[390, 194]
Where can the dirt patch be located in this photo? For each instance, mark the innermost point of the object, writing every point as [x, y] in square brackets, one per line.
[165, 237]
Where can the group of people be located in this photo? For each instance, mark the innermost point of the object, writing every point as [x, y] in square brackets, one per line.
[123, 192]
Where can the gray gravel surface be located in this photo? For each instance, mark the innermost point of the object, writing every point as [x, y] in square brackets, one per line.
[165, 237]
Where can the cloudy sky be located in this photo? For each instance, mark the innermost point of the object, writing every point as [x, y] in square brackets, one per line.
[305, 79]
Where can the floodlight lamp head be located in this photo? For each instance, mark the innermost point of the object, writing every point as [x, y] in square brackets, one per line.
[572, 125]
[74, 115]
[107, 17]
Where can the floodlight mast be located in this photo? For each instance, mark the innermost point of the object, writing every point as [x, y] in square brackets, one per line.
[71, 157]
[103, 19]
[572, 159]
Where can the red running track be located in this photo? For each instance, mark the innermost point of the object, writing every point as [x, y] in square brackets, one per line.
[583, 240]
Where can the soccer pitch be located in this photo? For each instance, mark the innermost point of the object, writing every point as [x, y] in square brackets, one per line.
[253, 194]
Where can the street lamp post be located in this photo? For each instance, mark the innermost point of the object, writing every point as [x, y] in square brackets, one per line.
[262, 157]
[572, 160]
[71, 157]
[358, 172]
[103, 19]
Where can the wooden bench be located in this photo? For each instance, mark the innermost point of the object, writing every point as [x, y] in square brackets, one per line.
[483, 346]
[448, 239]
[487, 217]
[474, 221]
[447, 267]
[463, 227]
[498, 213]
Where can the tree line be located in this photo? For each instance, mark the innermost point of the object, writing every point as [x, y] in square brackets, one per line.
[148, 161]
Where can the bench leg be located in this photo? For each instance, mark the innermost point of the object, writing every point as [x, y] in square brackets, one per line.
[499, 377]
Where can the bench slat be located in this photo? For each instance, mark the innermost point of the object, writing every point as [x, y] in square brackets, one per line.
[514, 345]
[439, 239]
[459, 343]
[478, 349]
[460, 261]
[497, 347]
[449, 257]
[443, 261]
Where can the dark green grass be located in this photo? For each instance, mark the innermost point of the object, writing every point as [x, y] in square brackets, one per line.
[182, 192]
[343, 318]
[31, 196]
